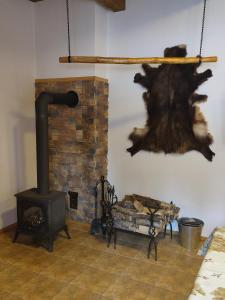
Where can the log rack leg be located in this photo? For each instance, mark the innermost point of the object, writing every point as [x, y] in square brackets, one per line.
[156, 252]
[171, 230]
[115, 238]
[165, 230]
[150, 247]
[103, 228]
[152, 232]
[153, 241]
[109, 237]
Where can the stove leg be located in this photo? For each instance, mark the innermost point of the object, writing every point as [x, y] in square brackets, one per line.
[50, 245]
[16, 236]
[67, 232]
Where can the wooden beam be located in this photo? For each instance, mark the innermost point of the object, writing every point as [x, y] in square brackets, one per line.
[114, 5]
[140, 60]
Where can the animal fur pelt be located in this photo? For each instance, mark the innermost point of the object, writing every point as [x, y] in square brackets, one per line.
[175, 123]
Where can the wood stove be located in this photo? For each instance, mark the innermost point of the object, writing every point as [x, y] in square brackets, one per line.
[40, 212]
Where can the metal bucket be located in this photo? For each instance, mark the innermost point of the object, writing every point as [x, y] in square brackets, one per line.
[190, 230]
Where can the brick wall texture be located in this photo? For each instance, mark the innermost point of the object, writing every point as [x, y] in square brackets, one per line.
[78, 140]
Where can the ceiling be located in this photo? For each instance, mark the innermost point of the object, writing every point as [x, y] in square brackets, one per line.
[114, 5]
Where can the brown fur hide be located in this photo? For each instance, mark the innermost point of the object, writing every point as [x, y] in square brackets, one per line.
[175, 123]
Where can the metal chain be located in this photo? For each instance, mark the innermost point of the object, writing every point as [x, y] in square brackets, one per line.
[68, 30]
[203, 27]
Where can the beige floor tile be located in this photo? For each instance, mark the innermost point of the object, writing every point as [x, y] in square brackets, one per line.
[142, 255]
[41, 263]
[86, 255]
[79, 226]
[146, 273]
[64, 270]
[84, 268]
[168, 279]
[95, 242]
[4, 266]
[97, 281]
[7, 296]
[67, 243]
[33, 282]
[15, 253]
[73, 292]
[68, 252]
[13, 277]
[128, 250]
[5, 252]
[79, 233]
[175, 281]
[163, 294]
[112, 263]
[39, 287]
[126, 288]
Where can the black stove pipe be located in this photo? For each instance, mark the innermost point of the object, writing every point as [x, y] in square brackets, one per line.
[41, 108]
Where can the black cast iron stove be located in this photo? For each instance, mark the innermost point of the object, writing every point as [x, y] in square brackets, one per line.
[40, 212]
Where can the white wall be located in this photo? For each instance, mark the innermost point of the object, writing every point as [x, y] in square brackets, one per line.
[145, 29]
[101, 38]
[17, 151]
[88, 23]
[32, 37]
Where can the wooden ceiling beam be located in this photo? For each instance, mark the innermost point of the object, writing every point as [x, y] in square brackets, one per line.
[114, 5]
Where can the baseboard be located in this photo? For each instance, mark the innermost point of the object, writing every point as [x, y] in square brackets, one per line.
[8, 228]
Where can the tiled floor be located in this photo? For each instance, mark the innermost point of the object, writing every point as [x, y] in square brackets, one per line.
[84, 268]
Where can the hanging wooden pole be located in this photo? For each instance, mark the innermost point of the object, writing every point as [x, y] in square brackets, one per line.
[135, 60]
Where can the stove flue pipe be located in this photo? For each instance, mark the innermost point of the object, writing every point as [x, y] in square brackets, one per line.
[41, 108]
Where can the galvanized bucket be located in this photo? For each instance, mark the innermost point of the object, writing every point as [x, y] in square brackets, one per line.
[190, 230]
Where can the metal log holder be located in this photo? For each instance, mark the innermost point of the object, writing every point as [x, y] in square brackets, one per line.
[108, 200]
[171, 229]
[152, 233]
[106, 222]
